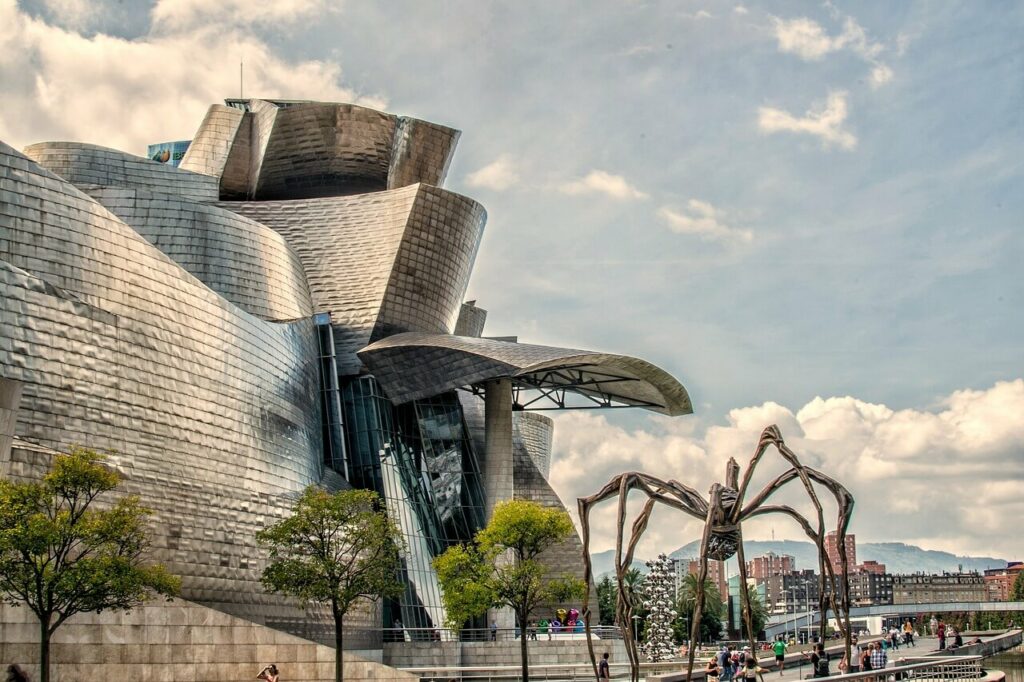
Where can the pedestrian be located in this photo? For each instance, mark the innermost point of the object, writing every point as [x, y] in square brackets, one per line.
[908, 633]
[268, 674]
[780, 654]
[879, 659]
[958, 640]
[711, 670]
[16, 674]
[494, 631]
[941, 630]
[865, 658]
[750, 667]
[603, 670]
[725, 665]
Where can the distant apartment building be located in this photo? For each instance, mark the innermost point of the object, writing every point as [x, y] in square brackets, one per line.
[716, 573]
[999, 581]
[771, 564]
[868, 588]
[871, 567]
[933, 589]
[791, 592]
[832, 551]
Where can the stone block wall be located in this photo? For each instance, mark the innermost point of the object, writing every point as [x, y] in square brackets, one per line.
[175, 641]
[500, 653]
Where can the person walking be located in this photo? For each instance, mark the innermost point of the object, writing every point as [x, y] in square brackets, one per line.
[941, 630]
[725, 665]
[603, 669]
[779, 647]
[494, 631]
[879, 659]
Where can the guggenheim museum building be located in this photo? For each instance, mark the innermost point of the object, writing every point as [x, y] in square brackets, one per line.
[283, 308]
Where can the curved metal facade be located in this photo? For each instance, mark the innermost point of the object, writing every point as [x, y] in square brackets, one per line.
[245, 262]
[271, 150]
[214, 411]
[415, 365]
[88, 165]
[380, 263]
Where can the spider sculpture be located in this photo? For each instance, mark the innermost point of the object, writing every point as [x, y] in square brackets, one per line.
[723, 514]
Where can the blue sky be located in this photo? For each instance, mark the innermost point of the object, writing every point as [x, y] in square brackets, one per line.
[776, 202]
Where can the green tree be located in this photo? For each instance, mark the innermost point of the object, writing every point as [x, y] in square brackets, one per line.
[500, 568]
[61, 555]
[758, 612]
[334, 549]
[606, 601]
[1017, 590]
[711, 613]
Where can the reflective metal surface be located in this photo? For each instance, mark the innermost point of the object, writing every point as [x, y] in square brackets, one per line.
[269, 149]
[414, 365]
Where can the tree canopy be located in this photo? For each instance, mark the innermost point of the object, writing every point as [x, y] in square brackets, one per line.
[500, 568]
[334, 549]
[61, 555]
[711, 613]
[1017, 590]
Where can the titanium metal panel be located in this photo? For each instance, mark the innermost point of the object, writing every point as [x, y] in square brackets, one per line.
[213, 412]
[417, 365]
[89, 165]
[247, 263]
[380, 263]
[272, 150]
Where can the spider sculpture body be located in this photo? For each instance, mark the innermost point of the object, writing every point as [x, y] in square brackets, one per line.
[723, 513]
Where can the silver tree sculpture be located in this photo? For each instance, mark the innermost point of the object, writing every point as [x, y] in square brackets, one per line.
[723, 514]
[658, 594]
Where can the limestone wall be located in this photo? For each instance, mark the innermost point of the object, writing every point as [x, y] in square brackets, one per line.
[500, 653]
[177, 641]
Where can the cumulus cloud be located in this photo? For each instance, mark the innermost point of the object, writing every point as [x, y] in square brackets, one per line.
[178, 14]
[824, 122]
[60, 84]
[601, 182]
[703, 220]
[500, 174]
[740, 9]
[945, 478]
[810, 41]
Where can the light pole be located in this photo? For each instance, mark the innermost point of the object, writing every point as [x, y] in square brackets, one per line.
[636, 628]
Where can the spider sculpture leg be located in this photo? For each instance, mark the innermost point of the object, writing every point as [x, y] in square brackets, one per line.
[844, 500]
[671, 493]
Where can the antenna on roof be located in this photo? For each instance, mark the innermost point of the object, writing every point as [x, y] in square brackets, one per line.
[241, 81]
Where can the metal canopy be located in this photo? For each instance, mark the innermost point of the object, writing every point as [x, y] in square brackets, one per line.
[416, 365]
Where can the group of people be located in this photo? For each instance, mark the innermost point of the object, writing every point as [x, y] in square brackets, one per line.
[562, 621]
[735, 664]
[947, 633]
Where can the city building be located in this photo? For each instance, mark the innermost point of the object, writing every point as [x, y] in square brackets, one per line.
[935, 589]
[871, 567]
[870, 588]
[716, 574]
[832, 551]
[791, 592]
[999, 581]
[771, 564]
[283, 308]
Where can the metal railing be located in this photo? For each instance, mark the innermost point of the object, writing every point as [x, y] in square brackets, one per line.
[923, 669]
[404, 634]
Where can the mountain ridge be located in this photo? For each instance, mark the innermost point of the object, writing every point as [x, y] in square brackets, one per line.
[898, 557]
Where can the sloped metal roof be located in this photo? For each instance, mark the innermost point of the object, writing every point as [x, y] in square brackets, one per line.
[417, 365]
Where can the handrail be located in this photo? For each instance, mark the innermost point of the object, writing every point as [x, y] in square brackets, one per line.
[945, 668]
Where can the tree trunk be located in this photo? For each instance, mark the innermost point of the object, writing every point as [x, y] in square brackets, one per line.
[523, 655]
[338, 637]
[44, 650]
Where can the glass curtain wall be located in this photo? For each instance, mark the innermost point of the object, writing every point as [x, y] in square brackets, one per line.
[418, 457]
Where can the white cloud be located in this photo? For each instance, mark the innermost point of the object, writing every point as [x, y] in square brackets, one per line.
[601, 182]
[59, 84]
[740, 9]
[810, 41]
[498, 175]
[179, 14]
[825, 122]
[945, 478]
[880, 75]
[703, 220]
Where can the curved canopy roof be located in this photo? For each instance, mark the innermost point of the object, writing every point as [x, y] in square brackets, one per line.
[416, 365]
